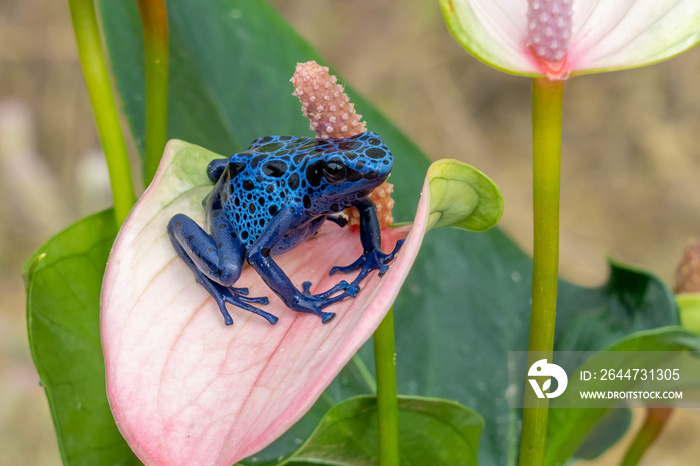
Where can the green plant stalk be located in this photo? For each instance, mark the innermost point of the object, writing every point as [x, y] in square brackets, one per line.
[387, 402]
[546, 145]
[154, 18]
[653, 425]
[87, 35]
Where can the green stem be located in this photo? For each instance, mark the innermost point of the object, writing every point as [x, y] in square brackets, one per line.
[87, 35]
[387, 403]
[546, 144]
[653, 424]
[154, 18]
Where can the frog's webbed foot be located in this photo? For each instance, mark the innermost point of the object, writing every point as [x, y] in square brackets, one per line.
[373, 259]
[348, 291]
[216, 261]
[237, 297]
[313, 303]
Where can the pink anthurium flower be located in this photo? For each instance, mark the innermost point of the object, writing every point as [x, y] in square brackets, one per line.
[558, 38]
[186, 389]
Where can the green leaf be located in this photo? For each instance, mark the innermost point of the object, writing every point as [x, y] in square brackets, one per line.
[430, 432]
[689, 304]
[569, 427]
[462, 309]
[463, 197]
[63, 280]
[465, 303]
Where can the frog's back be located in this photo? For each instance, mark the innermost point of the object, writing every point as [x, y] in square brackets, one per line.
[277, 172]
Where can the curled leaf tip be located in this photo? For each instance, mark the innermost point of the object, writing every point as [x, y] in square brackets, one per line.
[463, 197]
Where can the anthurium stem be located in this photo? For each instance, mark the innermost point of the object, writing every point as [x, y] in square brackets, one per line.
[154, 18]
[387, 403]
[653, 425]
[546, 143]
[87, 35]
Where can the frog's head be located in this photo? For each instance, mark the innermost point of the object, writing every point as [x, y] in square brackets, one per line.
[351, 170]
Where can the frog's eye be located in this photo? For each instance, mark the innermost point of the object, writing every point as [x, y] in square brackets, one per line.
[335, 172]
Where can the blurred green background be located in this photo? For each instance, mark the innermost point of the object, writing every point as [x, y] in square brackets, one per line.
[630, 168]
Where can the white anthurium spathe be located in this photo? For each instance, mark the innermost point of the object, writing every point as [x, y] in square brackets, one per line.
[559, 38]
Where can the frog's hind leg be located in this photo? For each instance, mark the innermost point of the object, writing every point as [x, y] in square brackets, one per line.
[216, 261]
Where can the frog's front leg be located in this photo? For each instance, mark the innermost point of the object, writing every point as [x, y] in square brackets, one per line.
[216, 261]
[300, 301]
[370, 236]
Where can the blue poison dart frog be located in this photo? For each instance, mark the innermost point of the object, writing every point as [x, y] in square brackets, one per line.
[269, 199]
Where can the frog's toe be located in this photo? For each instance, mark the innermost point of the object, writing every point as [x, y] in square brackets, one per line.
[347, 268]
[242, 302]
[353, 290]
[383, 261]
[374, 259]
[260, 300]
[391, 255]
[348, 289]
[234, 296]
[221, 302]
[383, 269]
[240, 291]
[312, 304]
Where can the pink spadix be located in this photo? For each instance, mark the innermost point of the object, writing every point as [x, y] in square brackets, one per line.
[549, 24]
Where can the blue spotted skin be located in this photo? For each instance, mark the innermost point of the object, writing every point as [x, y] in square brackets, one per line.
[270, 198]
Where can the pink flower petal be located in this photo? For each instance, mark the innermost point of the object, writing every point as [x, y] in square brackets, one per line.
[186, 389]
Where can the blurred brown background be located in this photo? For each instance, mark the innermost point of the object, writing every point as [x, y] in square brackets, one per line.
[630, 169]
